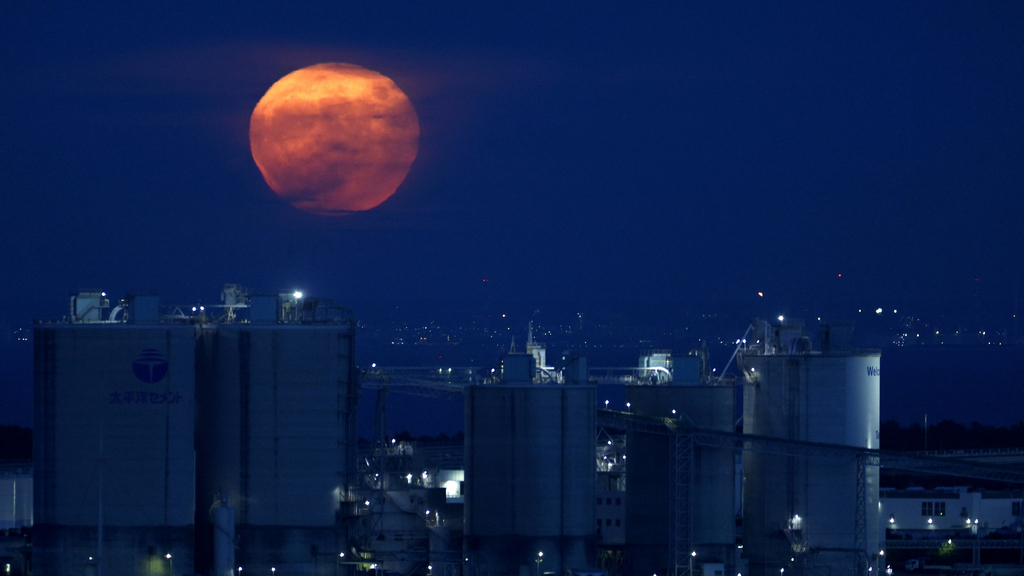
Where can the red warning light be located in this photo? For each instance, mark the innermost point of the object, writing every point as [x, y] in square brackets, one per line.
[840, 275]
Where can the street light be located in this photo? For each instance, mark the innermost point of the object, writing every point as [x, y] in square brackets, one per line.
[693, 554]
[540, 558]
[170, 562]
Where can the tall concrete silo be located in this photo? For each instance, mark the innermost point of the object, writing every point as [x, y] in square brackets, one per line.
[529, 485]
[712, 486]
[806, 514]
[113, 451]
[276, 439]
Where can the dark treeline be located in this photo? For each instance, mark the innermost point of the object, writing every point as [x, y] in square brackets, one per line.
[950, 435]
[441, 439]
[15, 443]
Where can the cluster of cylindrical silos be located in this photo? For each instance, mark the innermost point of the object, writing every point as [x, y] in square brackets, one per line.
[224, 445]
[754, 507]
[173, 444]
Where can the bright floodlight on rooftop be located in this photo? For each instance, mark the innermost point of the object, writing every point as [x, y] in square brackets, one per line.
[297, 294]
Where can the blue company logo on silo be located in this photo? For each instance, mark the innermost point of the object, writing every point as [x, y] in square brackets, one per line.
[150, 366]
[874, 371]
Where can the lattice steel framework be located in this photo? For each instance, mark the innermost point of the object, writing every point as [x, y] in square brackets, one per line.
[860, 518]
[681, 469]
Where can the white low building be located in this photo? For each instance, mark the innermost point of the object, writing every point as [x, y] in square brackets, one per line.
[956, 510]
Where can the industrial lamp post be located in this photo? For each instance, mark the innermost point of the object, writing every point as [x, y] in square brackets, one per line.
[693, 553]
[170, 562]
[540, 558]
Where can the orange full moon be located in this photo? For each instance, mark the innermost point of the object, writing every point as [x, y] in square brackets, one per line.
[334, 138]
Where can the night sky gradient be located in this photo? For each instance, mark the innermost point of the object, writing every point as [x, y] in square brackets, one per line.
[599, 155]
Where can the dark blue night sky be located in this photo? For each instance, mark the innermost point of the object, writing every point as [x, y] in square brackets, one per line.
[602, 156]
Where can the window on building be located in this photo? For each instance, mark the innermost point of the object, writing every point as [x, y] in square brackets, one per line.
[598, 500]
[618, 521]
[608, 522]
[926, 508]
[1015, 508]
[598, 523]
[940, 508]
[618, 501]
[608, 501]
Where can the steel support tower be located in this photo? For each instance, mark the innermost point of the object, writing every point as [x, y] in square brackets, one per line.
[681, 467]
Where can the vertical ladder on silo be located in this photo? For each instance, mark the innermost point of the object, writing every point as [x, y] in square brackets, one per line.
[860, 519]
[681, 503]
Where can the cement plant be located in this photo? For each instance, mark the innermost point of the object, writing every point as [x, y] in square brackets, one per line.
[222, 440]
